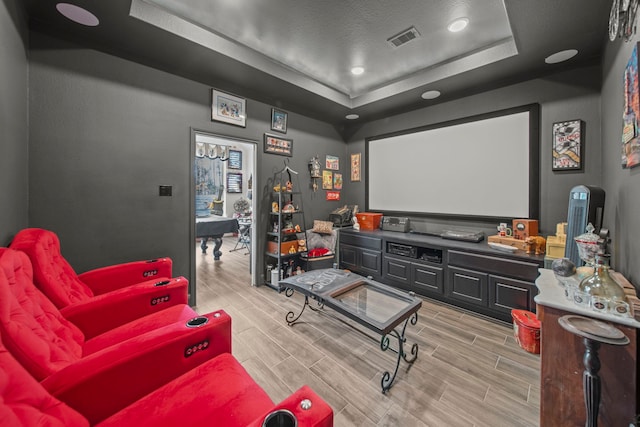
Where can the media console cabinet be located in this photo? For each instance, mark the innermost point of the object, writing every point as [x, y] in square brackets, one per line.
[469, 275]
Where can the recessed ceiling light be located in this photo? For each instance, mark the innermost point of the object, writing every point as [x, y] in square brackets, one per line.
[458, 25]
[431, 94]
[77, 14]
[351, 116]
[561, 56]
[356, 71]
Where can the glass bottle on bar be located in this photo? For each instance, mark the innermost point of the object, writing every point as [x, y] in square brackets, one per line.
[600, 282]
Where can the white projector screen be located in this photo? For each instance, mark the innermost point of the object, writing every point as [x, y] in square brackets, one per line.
[483, 166]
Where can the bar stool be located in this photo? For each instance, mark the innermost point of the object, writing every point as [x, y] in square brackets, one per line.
[594, 333]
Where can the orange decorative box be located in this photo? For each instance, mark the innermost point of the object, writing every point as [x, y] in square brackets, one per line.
[284, 247]
[369, 220]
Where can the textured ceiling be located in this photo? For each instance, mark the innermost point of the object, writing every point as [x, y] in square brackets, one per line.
[297, 54]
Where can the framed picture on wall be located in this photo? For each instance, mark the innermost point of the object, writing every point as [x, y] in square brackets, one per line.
[567, 145]
[355, 167]
[332, 162]
[276, 145]
[228, 108]
[631, 113]
[279, 120]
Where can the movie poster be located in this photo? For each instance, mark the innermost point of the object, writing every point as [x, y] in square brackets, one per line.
[630, 142]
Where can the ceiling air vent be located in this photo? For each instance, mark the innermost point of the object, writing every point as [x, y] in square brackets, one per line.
[404, 37]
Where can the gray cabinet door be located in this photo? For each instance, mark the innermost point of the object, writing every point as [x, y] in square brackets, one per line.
[506, 294]
[468, 285]
[427, 279]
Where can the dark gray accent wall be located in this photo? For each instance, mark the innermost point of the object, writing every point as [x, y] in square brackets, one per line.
[106, 132]
[14, 124]
[563, 96]
[622, 186]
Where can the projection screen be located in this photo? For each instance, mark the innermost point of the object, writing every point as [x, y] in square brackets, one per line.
[481, 167]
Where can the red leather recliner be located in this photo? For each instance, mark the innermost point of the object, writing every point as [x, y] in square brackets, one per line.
[59, 353]
[134, 289]
[217, 393]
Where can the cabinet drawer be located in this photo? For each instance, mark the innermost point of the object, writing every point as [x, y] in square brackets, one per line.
[523, 270]
[468, 286]
[397, 270]
[361, 241]
[427, 279]
[506, 294]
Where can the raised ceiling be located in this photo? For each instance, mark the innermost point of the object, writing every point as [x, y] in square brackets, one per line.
[297, 55]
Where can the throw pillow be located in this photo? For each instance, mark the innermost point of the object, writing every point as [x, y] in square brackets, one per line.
[322, 227]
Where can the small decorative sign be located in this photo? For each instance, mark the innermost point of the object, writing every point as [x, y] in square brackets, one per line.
[235, 159]
[327, 180]
[333, 163]
[333, 195]
[234, 182]
[337, 181]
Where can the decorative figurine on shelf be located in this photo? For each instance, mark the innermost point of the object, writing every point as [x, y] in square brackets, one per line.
[302, 245]
[292, 250]
[314, 170]
[288, 208]
[298, 229]
[536, 244]
[274, 207]
[289, 186]
[277, 188]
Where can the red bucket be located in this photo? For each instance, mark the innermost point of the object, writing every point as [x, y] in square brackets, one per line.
[526, 330]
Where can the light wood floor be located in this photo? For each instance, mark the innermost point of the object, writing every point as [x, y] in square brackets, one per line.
[469, 371]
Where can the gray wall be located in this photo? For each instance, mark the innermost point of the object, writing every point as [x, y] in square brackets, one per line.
[14, 124]
[105, 132]
[622, 206]
[563, 96]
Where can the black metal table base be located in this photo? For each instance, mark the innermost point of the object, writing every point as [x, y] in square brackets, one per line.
[387, 378]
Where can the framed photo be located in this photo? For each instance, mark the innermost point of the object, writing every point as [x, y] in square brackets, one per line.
[333, 195]
[279, 120]
[327, 180]
[567, 145]
[234, 182]
[337, 181]
[631, 113]
[333, 163]
[355, 167]
[228, 108]
[276, 145]
[235, 159]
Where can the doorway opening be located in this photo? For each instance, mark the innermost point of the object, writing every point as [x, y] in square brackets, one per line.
[222, 209]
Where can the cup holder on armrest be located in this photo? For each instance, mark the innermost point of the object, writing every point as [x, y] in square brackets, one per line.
[197, 322]
[163, 283]
[280, 418]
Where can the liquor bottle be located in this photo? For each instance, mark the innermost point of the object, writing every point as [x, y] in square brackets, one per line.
[600, 283]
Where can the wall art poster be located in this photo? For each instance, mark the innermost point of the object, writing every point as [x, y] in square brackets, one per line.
[333, 195]
[355, 167]
[278, 120]
[333, 163]
[228, 108]
[630, 142]
[327, 180]
[337, 181]
[567, 145]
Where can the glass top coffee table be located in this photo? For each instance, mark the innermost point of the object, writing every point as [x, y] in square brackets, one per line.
[376, 306]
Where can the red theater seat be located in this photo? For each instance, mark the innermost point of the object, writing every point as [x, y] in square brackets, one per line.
[217, 393]
[59, 353]
[133, 289]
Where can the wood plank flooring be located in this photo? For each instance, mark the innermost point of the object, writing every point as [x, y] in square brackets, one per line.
[469, 371]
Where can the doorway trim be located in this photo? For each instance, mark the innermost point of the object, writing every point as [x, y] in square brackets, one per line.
[192, 202]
